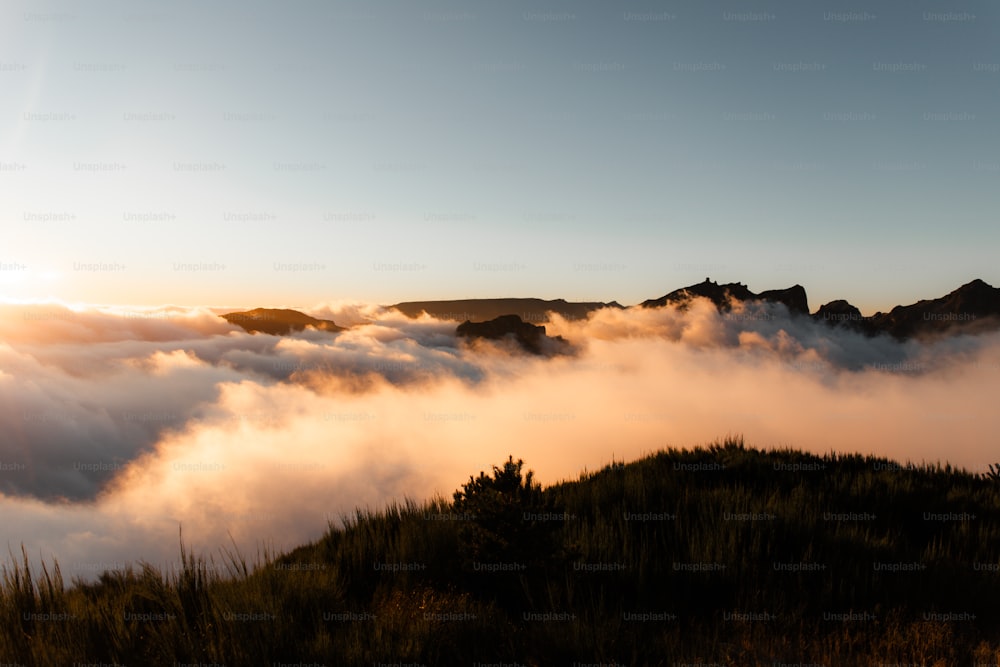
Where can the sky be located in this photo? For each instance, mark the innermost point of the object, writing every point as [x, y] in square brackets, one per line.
[294, 153]
[159, 162]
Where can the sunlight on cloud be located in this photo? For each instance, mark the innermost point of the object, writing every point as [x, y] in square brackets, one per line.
[152, 423]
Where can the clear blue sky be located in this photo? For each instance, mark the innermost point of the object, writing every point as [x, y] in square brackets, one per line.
[586, 150]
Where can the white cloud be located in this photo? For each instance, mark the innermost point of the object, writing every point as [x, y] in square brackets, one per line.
[153, 423]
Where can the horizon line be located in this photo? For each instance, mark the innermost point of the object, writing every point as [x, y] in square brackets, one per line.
[82, 305]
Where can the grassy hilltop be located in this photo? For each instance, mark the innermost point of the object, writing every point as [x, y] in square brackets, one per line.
[723, 555]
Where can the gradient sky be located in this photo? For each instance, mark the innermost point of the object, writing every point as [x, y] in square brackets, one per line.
[389, 151]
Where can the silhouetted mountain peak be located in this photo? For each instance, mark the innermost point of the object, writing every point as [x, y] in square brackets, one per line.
[973, 307]
[722, 296]
[976, 294]
[793, 297]
[841, 312]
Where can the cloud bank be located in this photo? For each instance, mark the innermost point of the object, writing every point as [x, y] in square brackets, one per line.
[122, 426]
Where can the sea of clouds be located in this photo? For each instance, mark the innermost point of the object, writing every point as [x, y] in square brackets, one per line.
[119, 427]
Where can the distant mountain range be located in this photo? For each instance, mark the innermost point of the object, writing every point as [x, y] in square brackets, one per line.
[972, 308]
[481, 310]
[793, 297]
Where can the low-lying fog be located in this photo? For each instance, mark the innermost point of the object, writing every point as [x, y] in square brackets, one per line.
[119, 427]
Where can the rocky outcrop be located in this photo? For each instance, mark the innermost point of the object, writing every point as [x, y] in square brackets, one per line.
[278, 321]
[722, 296]
[530, 337]
[842, 313]
[793, 297]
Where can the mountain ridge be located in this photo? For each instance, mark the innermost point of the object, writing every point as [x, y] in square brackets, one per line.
[480, 310]
[793, 297]
[971, 308]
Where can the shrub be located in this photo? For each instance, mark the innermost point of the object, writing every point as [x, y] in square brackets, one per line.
[510, 518]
